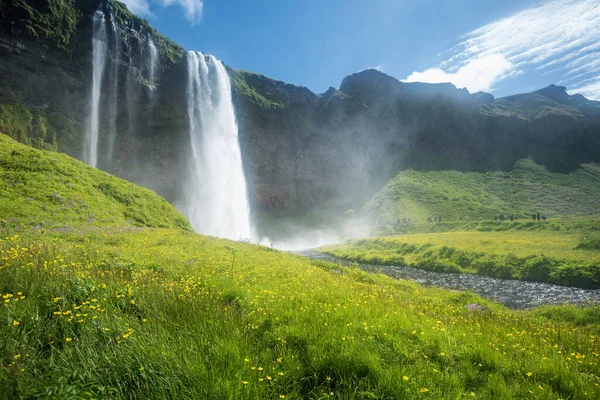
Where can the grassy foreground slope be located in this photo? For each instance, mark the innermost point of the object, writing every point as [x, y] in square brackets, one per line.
[159, 313]
[162, 313]
[526, 189]
[51, 190]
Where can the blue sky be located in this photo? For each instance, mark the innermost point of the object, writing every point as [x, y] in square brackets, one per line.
[500, 46]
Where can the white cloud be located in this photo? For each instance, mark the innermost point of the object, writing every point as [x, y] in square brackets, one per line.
[591, 90]
[478, 74]
[139, 7]
[192, 8]
[380, 67]
[561, 34]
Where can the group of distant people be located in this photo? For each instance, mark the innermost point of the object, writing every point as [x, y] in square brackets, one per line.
[437, 219]
[536, 216]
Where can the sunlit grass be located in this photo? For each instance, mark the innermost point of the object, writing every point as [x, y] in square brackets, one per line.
[166, 314]
[564, 257]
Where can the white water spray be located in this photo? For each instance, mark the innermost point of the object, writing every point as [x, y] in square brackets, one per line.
[98, 61]
[153, 63]
[216, 201]
[114, 96]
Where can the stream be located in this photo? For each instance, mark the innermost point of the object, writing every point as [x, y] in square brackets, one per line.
[512, 293]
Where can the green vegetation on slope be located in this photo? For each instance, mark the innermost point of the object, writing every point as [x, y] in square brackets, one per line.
[168, 49]
[561, 257]
[163, 313]
[42, 129]
[526, 189]
[238, 79]
[54, 21]
[44, 189]
[18, 122]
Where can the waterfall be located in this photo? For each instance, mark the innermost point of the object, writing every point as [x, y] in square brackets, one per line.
[114, 96]
[132, 100]
[153, 59]
[98, 60]
[216, 200]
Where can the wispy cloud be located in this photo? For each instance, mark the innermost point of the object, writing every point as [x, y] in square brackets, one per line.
[192, 8]
[477, 74]
[380, 67]
[559, 36]
[139, 7]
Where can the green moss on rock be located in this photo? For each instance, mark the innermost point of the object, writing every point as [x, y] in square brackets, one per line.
[27, 126]
[56, 21]
[242, 87]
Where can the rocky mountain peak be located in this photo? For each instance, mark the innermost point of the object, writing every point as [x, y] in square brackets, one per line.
[556, 93]
[372, 86]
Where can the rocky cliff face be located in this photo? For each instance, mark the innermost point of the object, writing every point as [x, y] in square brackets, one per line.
[301, 150]
[305, 149]
[46, 74]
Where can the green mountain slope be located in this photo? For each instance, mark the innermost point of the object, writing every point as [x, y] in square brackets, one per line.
[45, 189]
[526, 189]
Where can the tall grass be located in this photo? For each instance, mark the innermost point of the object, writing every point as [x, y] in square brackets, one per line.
[158, 313]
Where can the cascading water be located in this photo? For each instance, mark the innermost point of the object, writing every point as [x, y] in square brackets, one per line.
[98, 60]
[114, 96]
[153, 59]
[216, 201]
[132, 100]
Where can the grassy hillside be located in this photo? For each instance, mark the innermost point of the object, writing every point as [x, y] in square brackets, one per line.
[41, 189]
[567, 257]
[526, 189]
[163, 313]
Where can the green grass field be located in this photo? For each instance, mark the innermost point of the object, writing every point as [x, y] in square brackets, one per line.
[118, 306]
[162, 313]
[568, 256]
